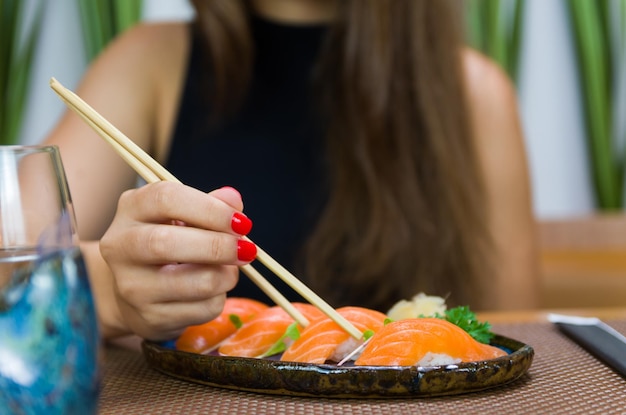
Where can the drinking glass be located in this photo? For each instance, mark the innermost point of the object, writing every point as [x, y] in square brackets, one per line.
[49, 337]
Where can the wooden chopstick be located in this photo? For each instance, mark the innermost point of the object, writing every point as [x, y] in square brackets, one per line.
[148, 175]
[151, 171]
[128, 150]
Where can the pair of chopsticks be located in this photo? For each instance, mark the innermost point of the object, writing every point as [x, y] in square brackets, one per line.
[151, 171]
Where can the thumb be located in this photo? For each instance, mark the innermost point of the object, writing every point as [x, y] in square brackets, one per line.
[230, 196]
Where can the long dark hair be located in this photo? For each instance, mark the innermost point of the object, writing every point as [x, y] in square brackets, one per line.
[406, 209]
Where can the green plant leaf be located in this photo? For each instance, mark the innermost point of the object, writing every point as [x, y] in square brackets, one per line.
[590, 38]
[466, 319]
[495, 28]
[103, 20]
[127, 14]
[616, 22]
[515, 40]
[18, 42]
[497, 36]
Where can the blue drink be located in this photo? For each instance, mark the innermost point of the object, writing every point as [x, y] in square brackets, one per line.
[48, 335]
[49, 338]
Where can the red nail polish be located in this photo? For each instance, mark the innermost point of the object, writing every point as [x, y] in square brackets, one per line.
[246, 251]
[240, 223]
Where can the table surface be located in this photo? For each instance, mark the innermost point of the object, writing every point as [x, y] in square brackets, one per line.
[563, 379]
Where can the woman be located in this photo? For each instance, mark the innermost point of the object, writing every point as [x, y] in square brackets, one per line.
[377, 155]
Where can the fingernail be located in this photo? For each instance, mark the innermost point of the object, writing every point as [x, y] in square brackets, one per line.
[246, 251]
[240, 223]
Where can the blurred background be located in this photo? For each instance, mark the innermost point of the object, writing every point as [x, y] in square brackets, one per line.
[566, 58]
[536, 41]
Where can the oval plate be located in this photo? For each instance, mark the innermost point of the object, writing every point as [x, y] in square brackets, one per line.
[305, 379]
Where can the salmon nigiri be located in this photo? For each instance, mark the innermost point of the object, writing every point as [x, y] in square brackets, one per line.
[259, 335]
[324, 340]
[424, 342]
[203, 338]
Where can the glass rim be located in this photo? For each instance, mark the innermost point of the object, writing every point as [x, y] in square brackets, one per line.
[29, 148]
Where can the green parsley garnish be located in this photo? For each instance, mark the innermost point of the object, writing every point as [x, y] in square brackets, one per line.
[280, 346]
[234, 318]
[367, 334]
[466, 319]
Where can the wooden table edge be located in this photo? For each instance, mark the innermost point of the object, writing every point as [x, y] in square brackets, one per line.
[534, 316]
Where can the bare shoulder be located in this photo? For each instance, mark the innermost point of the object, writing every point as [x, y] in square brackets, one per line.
[133, 83]
[489, 89]
[483, 74]
[498, 138]
[155, 36]
[140, 73]
[157, 58]
[501, 152]
[493, 105]
[146, 47]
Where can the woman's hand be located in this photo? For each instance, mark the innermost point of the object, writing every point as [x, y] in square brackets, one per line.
[174, 252]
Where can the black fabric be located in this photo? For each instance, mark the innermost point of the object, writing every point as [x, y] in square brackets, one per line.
[270, 151]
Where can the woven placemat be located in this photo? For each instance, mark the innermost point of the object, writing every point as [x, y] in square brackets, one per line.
[563, 379]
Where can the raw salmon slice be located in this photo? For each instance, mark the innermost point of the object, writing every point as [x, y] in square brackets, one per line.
[424, 342]
[258, 335]
[325, 340]
[203, 338]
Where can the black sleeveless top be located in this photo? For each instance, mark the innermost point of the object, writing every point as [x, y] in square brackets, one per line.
[271, 151]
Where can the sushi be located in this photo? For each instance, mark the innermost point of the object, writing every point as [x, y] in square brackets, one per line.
[424, 342]
[325, 340]
[259, 331]
[259, 335]
[204, 338]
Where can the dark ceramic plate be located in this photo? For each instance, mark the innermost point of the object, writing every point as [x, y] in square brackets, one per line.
[305, 379]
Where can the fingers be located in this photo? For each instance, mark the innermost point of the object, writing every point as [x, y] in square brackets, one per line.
[174, 251]
[165, 201]
[164, 244]
[178, 283]
[169, 320]
[166, 321]
[158, 305]
[230, 196]
[146, 228]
